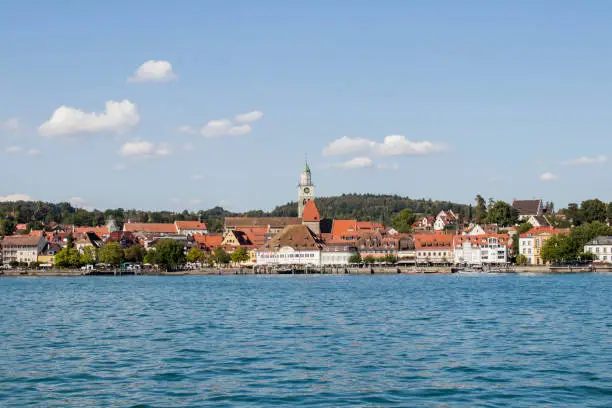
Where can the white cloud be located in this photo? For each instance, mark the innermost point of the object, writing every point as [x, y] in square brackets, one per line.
[144, 149]
[392, 145]
[14, 149]
[33, 152]
[15, 197]
[117, 117]
[384, 166]
[197, 177]
[548, 176]
[11, 125]
[586, 160]
[249, 117]
[239, 130]
[224, 127]
[154, 71]
[355, 163]
[187, 129]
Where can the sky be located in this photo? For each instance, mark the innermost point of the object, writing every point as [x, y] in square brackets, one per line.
[192, 104]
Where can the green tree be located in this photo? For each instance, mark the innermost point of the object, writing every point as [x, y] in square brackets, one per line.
[240, 255]
[135, 253]
[68, 257]
[88, 257]
[523, 228]
[609, 213]
[481, 210]
[390, 258]
[355, 259]
[369, 260]
[195, 254]
[403, 220]
[219, 256]
[502, 214]
[168, 254]
[7, 227]
[574, 214]
[70, 241]
[111, 254]
[594, 210]
[554, 249]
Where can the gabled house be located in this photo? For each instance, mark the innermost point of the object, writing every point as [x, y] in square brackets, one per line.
[527, 208]
[22, 248]
[531, 243]
[294, 245]
[601, 248]
[424, 224]
[433, 248]
[481, 249]
[190, 227]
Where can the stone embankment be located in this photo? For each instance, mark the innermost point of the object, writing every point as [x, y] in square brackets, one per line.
[388, 270]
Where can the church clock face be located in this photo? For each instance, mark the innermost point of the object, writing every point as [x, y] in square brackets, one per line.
[306, 190]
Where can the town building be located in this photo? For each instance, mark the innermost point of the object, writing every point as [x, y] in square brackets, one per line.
[273, 225]
[482, 249]
[445, 219]
[375, 244]
[601, 248]
[337, 254]
[311, 217]
[434, 248]
[527, 208]
[305, 189]
[22, 248]
[531, 243]
[87, 239]
[151, 228]
[424, 224]
[47, 255]
[190, 227]
[294, 245]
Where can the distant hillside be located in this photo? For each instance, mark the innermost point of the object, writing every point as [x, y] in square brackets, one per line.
[363, 207]
[371, 207]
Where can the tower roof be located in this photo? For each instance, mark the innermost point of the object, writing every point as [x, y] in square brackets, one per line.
[306, 167]
[311, 213]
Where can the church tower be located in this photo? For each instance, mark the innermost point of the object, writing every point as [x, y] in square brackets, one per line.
[305, 189]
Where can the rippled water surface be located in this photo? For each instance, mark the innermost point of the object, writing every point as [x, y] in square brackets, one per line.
[446, 341]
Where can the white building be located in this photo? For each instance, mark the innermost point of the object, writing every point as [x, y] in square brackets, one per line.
[601, 247]
[22, 248]
[190, 227]
[444, 219]
[337, 254]
[293, 245]
[481, 249]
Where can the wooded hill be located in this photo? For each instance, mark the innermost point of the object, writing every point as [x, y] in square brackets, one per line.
[363, 207]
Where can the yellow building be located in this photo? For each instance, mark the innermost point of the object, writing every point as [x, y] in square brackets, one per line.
[531, 243]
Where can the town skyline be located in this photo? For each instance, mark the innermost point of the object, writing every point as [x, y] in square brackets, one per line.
[416, 100]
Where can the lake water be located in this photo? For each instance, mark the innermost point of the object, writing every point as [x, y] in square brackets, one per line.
[395, 340]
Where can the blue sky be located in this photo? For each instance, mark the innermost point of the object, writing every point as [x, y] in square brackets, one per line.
[507, 100]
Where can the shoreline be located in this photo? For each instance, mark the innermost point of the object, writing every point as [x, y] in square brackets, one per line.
[331, 271]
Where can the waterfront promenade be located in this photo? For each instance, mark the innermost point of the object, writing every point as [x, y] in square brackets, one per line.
[378, 270]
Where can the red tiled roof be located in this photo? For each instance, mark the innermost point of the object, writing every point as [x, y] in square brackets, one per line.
[426, 241]
[311, 213]
[208, 240]
[190, 225]
[257, 235]
[541, 230]
[503, 239]
[150, 227]
[342, 228]
[99, 231]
